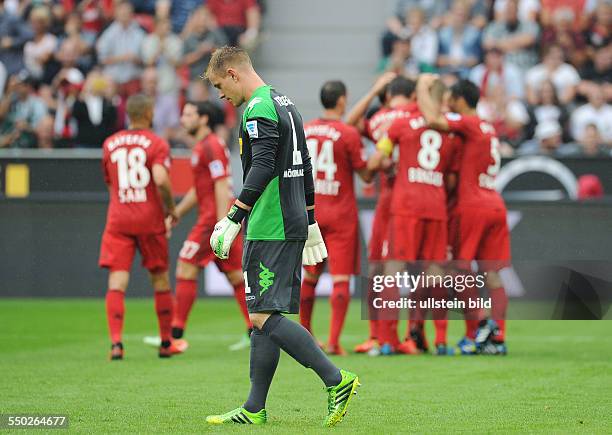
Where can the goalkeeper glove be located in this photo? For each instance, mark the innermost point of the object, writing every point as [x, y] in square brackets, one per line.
[225, 232]
[314, 249]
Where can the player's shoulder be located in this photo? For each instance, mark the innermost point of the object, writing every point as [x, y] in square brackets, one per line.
[261, 105]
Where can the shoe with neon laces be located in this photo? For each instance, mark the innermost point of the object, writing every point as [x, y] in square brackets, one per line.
[116, 352]
[366, 346]
[239, 416]
[466, 346]
[339, 398]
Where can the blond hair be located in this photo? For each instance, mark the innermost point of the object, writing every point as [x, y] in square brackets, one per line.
[224, 58]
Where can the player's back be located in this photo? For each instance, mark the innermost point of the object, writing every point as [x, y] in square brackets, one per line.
[209, 162]
[425, 158]
[336, 152]
[479, 162]
[128, 158]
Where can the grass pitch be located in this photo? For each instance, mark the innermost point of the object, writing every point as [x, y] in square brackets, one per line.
[557, 377]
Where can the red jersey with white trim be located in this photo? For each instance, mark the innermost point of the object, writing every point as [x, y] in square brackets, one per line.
[209, 162]
[128, 157]
[425, 157]
[336, 152]
[479, 162]
[376, 128]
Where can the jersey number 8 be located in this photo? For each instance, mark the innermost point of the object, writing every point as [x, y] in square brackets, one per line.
[429, 154]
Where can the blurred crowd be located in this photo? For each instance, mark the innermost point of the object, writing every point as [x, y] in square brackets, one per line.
[68, 66]
[543, 67]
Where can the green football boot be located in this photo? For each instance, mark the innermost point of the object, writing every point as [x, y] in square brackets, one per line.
[239, 416]
[339, 397]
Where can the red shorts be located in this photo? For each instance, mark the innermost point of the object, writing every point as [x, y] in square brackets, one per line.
[412, 238]
[342, 249]
[378, 241]
[117, 251]
[196, 250]
[480, 234]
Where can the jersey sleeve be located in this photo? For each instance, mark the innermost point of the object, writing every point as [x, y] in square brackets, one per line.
[395, 130]
[161, 154]
[217, 161]
[458, 123]
[355, 150]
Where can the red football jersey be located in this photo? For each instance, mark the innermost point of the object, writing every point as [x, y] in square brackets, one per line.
[127, 162]
[377, 127]
[336, 151]
[210, 162]
[425, 157]
[479, 162]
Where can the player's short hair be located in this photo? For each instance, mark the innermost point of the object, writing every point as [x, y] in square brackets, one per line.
[331, 91]
[137, 105]
[467, 90]
[224, 58]
[437, 90]
[215, 115]
[401, 86]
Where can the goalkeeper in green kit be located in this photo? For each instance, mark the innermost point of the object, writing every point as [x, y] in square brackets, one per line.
[276, 206]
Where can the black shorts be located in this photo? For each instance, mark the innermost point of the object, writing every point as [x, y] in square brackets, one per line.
[273, 275]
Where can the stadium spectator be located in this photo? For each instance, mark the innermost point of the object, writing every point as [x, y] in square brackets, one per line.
[548, 141]
[527, 9]
[563, 34]
[238, 19]
[201, 40]
[495, 72]
[95, 13]
[582, 10]
[179, 12]
[599, 33]
[597, 112]
[38, 52]
[598, 72]
[166, 114]
[563, 75]
[397, 25]
[76, 42]
[399, 61]
[423, 40]
[14, 33]
[94, 113]
[516, 38]
[67, 86]
[163, 50]
[459, 41]
[21, 110]
[591, 143]
[119, 47]
[546, 108]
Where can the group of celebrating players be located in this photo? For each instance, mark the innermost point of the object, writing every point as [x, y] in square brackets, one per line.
[435, 191]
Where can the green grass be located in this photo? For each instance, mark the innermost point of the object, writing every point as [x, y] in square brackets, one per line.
[557, 377]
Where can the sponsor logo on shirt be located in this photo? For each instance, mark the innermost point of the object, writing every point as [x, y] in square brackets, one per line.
[251, 128]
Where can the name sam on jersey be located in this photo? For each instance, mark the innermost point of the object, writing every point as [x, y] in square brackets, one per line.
[132, 195]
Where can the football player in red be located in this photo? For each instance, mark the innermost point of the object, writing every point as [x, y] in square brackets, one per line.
[213, 194]
[418, 221]
[136, 167]
[336, 153]
[478, 230]
[399, 101]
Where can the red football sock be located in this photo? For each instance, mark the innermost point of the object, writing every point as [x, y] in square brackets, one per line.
[307, 296]
[499, 305]
[241, 299]
[186, 294]
[339, 300]
[439, 315]
[163, 308]
[387, 323]
[472, 315]
[115, 311]
[372, 312]
[373, 329]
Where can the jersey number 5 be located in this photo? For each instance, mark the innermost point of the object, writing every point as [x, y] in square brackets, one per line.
[131, 168]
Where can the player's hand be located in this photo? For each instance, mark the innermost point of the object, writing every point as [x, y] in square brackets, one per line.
[314, 249]
[173, 217]
[383, 81]
[170, 223]
[223, 236]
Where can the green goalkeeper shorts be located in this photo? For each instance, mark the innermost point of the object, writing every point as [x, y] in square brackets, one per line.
[272, 275]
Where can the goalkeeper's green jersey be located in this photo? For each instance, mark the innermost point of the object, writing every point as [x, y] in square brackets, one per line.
[272, 136]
